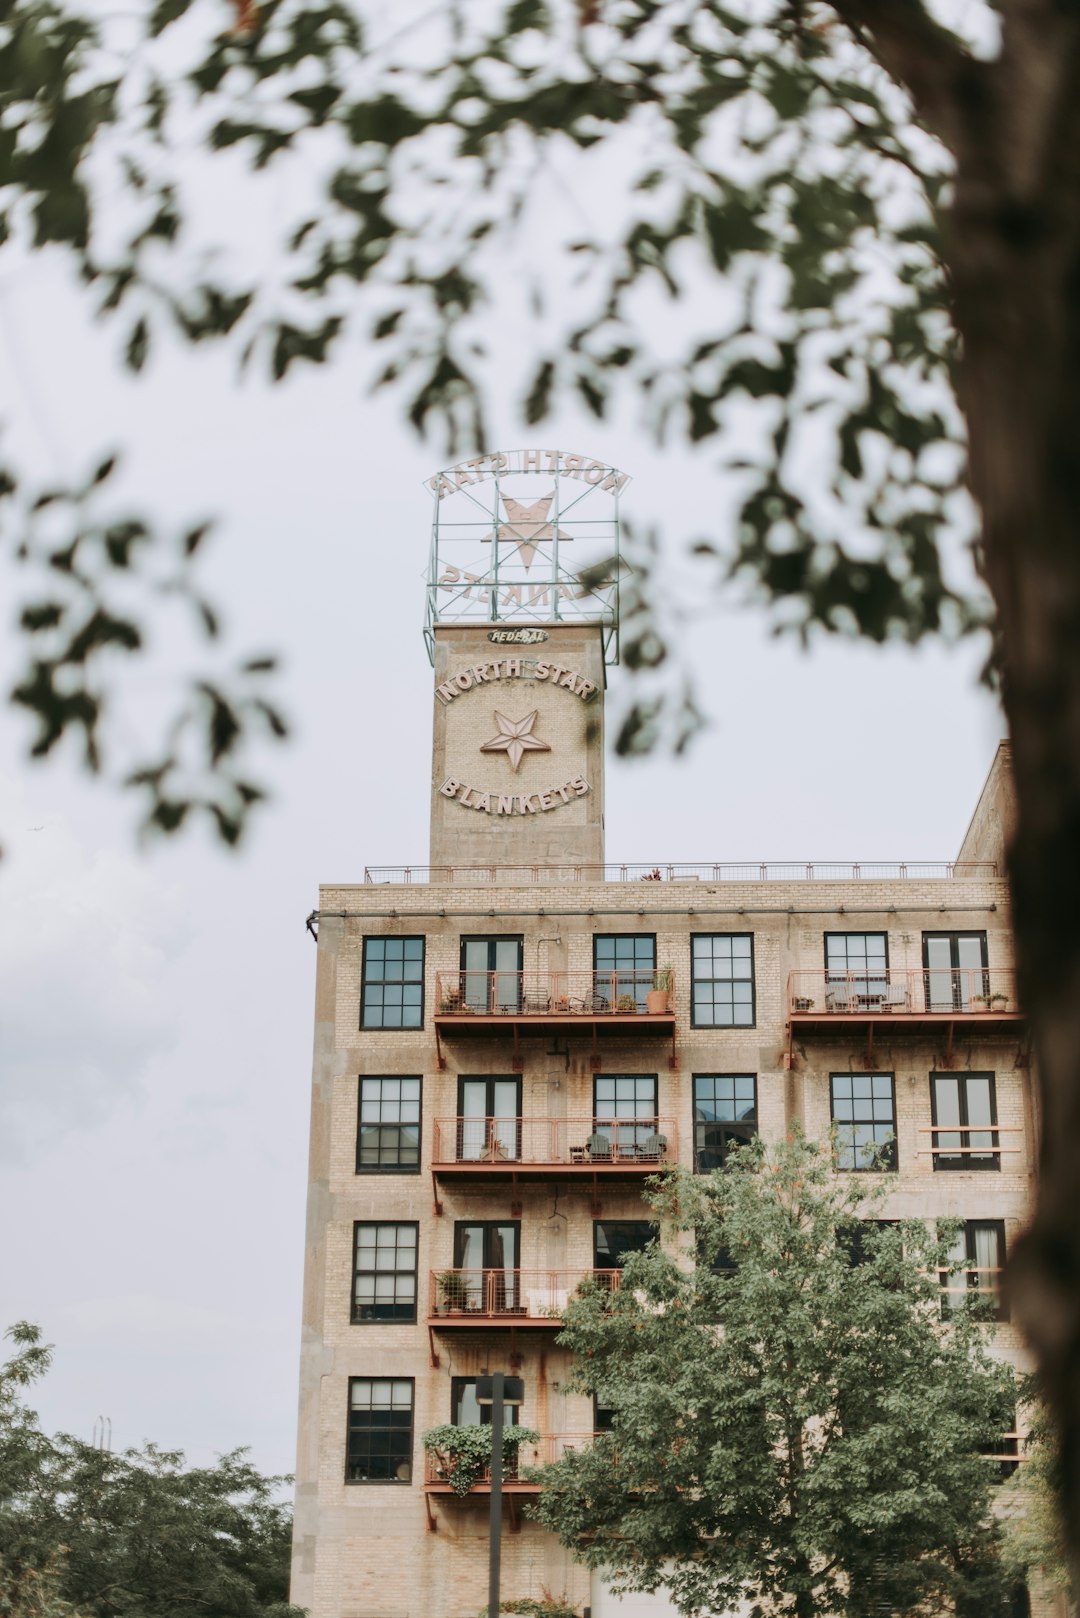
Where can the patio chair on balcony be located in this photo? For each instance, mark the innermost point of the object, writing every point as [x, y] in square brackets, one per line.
[652, 1148]
[896, 997]
[535, 1000]
[837, 997]
[599, 1148]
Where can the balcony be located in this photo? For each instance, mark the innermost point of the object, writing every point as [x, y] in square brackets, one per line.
[551, 1447]
[487, 876]
[497, 1299]
[485, 1004]
[515, 1150]
[946, 999]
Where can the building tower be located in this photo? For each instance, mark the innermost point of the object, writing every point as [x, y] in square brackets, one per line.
[509, 1040]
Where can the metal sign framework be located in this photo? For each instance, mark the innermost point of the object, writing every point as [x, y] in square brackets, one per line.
[501, 530]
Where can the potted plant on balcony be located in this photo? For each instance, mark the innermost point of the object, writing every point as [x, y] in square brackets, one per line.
[451, 999]
[626, 1003]
[462, 1454]
[658, 998]
[453, 1293]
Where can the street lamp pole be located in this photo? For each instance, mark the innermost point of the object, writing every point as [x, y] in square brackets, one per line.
[498, 1391]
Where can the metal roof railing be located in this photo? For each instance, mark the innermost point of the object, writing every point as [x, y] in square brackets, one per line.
[482, 876]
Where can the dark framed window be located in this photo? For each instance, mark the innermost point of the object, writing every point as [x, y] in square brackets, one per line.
[972, 1277]
[968, 1101]
[625, 965]
[859, 1241]
[615, 1239]
[486, 1252]
[864, 1117]
[489, 1118]
[725, 1115]
[465, 1409]
[379, 1440]
[624, 1112]
[491, 972]
[388, 1134]
[861, 960]
[392, 984]
[954, 970]
[603, 1416]
[722, 980]
[384, 1271]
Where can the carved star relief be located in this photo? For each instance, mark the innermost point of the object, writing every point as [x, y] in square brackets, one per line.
[528, 525]
[515, 738]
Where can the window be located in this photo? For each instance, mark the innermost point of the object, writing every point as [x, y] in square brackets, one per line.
[379, 1440]
[954, 970]
[388, 1137]
[967, 1101]
[466, 1410]
[392, 994]
[489, 1120]
[486, 1252]
[625, 965]
[491, 971]
[384, 1275]
[971, 1278]
[619, 1098]
[722, 990]
[864, 1114]
[603, 1416]
[615, 1239]
[725, 1115]
[858, 960]
[858, 1241]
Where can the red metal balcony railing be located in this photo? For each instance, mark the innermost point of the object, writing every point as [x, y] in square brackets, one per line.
[553, 994]
[972, 1286]
[484, 1143]
[516, 1297]
[969, 1146]
[551, 1447]
[933, 991]
[468, 876]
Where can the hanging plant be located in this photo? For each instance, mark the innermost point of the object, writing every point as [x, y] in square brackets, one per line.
[462, 1454]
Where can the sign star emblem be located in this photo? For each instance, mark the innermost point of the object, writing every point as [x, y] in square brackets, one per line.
[528, 525]
[515, 738]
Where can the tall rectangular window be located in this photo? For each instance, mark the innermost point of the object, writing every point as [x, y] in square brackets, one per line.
[864, 1113]
[859, 961]
[954, 971]
[491, 973]
[388, 1136]
[962, 1110]
[384, 1272]
[725, 1115]
[392, 989]
[624, 964]
[624, 1115]
[722, 986]
[379, 1440]
[972, 1278]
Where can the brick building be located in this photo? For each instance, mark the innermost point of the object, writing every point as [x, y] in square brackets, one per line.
[510, 1039]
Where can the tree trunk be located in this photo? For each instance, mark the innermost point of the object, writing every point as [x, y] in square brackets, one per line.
[1013, 253]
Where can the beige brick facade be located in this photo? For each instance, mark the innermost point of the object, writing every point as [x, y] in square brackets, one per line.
[392, 1549]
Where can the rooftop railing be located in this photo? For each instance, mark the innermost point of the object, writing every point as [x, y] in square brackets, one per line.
[887, 990]
[553, 1142]
[483, 876]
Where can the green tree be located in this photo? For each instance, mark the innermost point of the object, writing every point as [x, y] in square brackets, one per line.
[133, 1535]
[877, 219]
[818, 1452]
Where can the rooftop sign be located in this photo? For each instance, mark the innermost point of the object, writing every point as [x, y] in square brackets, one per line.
[522, 538]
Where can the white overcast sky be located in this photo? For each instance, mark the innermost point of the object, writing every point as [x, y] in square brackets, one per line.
[155, 1005]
